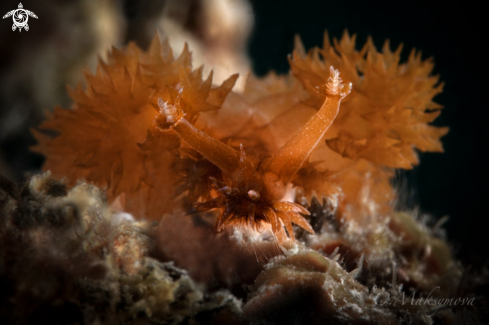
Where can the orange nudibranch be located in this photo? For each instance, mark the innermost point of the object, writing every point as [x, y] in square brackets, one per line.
[268, 183]
[287, 160]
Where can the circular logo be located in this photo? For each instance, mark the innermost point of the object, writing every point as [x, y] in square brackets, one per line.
[20, 18]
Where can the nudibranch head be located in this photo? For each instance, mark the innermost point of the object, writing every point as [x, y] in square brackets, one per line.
[243, 204]
[253, 196]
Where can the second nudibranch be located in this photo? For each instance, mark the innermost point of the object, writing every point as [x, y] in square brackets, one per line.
[253, 196]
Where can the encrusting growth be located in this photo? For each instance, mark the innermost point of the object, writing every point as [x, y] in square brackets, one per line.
[255, 193]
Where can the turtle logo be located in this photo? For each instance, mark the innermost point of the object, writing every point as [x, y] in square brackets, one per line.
[20, 17]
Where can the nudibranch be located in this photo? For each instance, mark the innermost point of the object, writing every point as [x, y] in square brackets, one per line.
[252, 194]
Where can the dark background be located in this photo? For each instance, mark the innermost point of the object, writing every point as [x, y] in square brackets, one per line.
[454, 183]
